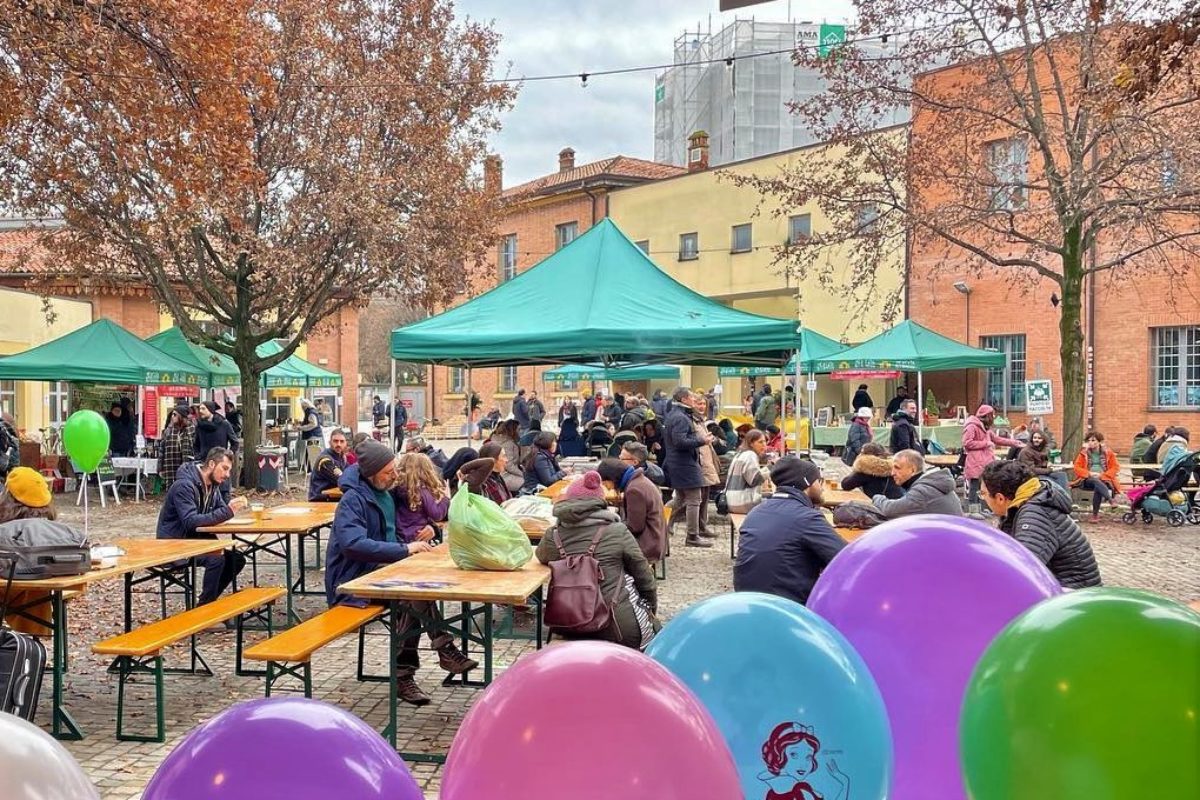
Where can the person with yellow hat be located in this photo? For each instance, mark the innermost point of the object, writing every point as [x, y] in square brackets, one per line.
[25, 496]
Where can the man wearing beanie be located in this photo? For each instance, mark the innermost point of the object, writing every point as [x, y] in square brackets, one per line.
[785, 542]
[364, 538]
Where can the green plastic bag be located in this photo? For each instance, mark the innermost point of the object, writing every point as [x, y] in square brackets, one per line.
[483, 537]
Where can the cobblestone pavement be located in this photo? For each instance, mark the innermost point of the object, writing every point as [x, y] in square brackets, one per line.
[1155, 557]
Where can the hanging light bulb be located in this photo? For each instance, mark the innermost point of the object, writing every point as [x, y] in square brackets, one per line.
[583, 79]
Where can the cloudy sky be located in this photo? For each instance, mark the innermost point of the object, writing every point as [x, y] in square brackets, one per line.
[614, 114]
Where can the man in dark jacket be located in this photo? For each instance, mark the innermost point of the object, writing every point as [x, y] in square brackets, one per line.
[904, 435]
[195, 501]
[894, 404]
[862, 398]
[1037, 513]
[682, 443]
[924, 492]
[785, 542]
[399, 417]
[121, 433]
[591, 406]
[234, 418]
[521, 411]
[212, 430]
[1154, 451]
[364, 538]
[378, 410]
[331, 463]
[660, 405]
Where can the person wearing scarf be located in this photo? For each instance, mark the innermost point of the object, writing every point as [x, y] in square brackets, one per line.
[641, 505]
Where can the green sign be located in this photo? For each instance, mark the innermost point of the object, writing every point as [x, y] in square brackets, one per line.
[831, 37]
[660, 92]
[1039, 399]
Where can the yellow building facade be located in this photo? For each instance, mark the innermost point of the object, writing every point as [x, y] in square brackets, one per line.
[694, 227]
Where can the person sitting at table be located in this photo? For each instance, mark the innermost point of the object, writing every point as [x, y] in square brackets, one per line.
[26, 496]
[1096, 470]
[1154, 451]
[860, 433]
[624, 435]
[364, 538]
[872, 472]
[774, 439]
[719, 443]
[641, 505]
[652, 437]
[785, 542]
[506, 436]
[195, 500]
[1141, 443]
[527, 437]
[328, 469]
[904, 434]
[979, 442]
[635, 454]
[924, 492]
[582, 517]
[1036, 456]
[1037, 513]
[541, 465]
[486, 475]
[743, 484]
[455, 463]
[422, 503]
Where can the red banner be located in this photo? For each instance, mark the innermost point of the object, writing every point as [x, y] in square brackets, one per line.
[178, 391]
[150, 412]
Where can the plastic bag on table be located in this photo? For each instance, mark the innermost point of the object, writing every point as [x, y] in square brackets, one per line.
[483, 537]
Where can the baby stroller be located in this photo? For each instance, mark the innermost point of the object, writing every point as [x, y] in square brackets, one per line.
[1165, 497]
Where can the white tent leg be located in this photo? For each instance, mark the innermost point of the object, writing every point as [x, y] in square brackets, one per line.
[920, 408]
[391, 405]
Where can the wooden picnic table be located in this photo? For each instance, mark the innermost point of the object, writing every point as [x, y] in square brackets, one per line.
[850, 534]
[139, 554]
[334, 494]
[554, 490]
[279, 524]
[833, 497]
[941, 460]
[433, 577]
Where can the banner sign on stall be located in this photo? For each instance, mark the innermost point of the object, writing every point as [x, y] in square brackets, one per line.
[865, 374]
[1039, 399]
[149, 412]
[179, 391]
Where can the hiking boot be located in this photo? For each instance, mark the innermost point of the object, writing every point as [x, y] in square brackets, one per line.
[408, 691]
[696, 541]
[451, 659]
[709, 534]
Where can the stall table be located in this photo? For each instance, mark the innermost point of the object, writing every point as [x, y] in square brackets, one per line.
[948, 436]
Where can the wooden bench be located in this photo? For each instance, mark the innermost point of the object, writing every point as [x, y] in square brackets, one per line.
[735, 524]
[290, 653]
[140, 651]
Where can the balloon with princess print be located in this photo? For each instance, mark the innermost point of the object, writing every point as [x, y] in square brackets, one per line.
[796, 704]
[85, 438]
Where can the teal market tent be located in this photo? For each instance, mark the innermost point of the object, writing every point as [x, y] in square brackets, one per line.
[813, 348]
[102, 352]
[600, 300]
[295, 371]
[221, 369]
[582, 372]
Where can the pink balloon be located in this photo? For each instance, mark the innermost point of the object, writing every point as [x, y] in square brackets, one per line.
[589, 721]
[921, 598]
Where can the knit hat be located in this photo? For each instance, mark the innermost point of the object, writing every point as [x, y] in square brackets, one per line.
[795, 472]
[28, 487]
[984, 410]
[588, 487]
[476, 472]
[865, 413]
[372, 457]
[211, 406]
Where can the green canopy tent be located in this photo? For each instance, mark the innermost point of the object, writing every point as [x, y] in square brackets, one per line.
[221, 368]
[294, 369]
[813, 347]
[909, 347]
[582, 372]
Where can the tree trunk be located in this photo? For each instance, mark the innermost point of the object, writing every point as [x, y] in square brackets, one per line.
[1071, 354]
[251, 423]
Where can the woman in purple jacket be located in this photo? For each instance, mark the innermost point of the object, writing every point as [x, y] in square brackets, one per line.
[422, 502]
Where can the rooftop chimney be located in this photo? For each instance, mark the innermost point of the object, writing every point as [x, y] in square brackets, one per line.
[493, 174]
[697, 151]
[566, 159]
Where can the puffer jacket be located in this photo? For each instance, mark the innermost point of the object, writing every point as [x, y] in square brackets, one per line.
[1043, 524]
[873, 474]
[859, 434]
[929, 493]
[617, 553]
[542, 471]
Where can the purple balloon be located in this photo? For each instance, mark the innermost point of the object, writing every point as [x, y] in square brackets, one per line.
[283, 747]
[921, 598]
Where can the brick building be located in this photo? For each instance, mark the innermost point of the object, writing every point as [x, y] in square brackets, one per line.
[132, 306]
[539, 217]
[1141, 326]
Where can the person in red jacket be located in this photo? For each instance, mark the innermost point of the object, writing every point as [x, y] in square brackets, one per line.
[1096, 469]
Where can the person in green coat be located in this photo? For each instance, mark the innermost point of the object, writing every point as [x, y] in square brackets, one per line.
[580, 512]
[1141, 444]
[768, 411]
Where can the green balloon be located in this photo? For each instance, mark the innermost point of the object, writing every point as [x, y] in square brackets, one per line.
[85, 438]
[1090, 694]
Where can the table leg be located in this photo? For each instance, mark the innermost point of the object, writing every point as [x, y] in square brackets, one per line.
[393, 612]
[291, 616]
[64, 725]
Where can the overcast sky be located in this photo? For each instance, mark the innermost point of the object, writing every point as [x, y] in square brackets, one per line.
[614, 114]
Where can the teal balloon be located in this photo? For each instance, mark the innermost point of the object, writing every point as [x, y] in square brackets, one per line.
[795, 702]
[85, 438]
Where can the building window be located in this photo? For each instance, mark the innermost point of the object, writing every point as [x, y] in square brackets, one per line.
[695, 154]
[508, 257]
[1176, 361]
[741, 239]
[60, 402]
[644, 246]
[1008, 163]
[279, 408]
[508, 379]
[799, 228]
[689, 246]
[456, 380]
[1007, 381]
[565, 234]
[8, 398]
[865, 218]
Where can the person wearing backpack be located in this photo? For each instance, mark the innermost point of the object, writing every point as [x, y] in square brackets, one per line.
[620, 603]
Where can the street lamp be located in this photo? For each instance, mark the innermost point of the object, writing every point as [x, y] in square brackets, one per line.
[962, 288]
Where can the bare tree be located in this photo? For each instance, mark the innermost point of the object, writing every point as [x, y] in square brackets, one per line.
[1025, 160]
[379, 319]
[300, 157]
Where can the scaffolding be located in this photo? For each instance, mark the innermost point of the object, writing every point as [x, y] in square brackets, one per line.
[743, 105]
